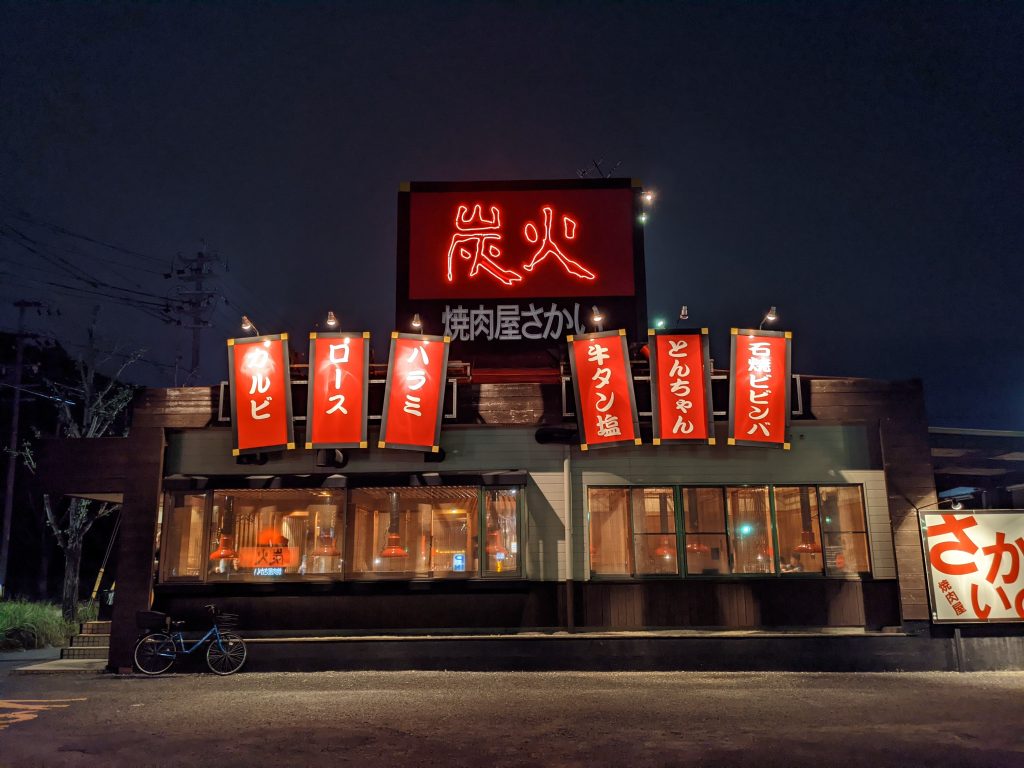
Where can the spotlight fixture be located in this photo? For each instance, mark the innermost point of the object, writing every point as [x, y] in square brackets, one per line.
[648, 196]
[332, 320]
[957, 505]
[643, 217]
[684, 312]
[597, 317]
[659, 323]
[770, 317]
[417, 323]
[249, 325]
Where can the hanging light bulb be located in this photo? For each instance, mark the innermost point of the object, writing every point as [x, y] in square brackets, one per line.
[249, 325]
[417, 323]
[332, 321]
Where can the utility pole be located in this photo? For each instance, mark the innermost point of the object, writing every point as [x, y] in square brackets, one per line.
[199, 299]
[12, 443]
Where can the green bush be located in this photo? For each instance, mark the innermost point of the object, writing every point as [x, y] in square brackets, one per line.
[28, 625]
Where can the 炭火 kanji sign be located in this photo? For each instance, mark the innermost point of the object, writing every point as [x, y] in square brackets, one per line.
[603, 383]
[414, 394]
[759, 384]
[336, 409]
[975, 565]
[681, 386]
[261, 394]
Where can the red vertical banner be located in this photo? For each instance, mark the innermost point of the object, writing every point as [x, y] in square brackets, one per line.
[603, 383]
[414, 394]
[261, 394]
[336, 405]
[759, 388]
[681, 409]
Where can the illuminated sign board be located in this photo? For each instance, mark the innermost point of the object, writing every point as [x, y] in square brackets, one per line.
[414, 393]
[509, 267]
[603, 383]
[759, 388]
[261, 394]
[681, 386]
[337, 402]
[974, 565]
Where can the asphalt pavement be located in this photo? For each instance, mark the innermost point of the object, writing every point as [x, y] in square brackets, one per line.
[447, 719]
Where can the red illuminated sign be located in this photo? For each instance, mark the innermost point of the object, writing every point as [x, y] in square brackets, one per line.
[521, 243]
[681, 386]
[261, 394]
[603, 382]
[759, 388]
[414, 394]
[336, 405]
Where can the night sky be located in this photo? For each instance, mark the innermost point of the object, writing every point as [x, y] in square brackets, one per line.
[859, 165]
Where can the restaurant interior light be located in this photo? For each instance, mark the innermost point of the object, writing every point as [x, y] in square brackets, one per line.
[248, 325]
[332, 320]
[417, 323]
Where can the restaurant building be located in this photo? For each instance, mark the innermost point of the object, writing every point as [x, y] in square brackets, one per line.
[520, 507]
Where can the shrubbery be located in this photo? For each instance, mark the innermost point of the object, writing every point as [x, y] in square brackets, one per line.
[24, 624]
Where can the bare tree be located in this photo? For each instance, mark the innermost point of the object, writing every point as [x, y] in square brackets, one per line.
[90, 407]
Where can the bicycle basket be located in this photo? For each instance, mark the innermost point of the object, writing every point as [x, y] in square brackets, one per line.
[227, 620]
[151, 620]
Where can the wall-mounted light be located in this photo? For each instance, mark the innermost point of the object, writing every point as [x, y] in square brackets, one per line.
[643, 217]
[684, 312]
[648, 196]
[596, 317]
[332, 320]
[659, 323]
[417, 323]
[248, 325]
[770, 317]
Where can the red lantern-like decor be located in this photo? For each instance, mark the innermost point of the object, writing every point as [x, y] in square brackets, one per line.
[394, 547]
[326, 547]
[494, 547]
[225, 550]
[808, 544]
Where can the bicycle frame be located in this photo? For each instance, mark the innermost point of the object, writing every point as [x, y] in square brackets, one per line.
[178, 638]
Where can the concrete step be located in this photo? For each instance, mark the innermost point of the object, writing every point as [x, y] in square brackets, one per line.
[89, 652]
[95, 628]
[90, 641]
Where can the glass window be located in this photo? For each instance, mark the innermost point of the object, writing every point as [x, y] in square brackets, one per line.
[609, 531]
[415, 532]
[845, 529]
[750, 530]
[501, 547]
[796, 520]
[275, 534]
[182, 551]
[707, 551]
[654, 531]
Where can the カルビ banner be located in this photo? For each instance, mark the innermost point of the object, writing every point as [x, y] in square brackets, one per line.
[336, 405]
[603, 383]
[759, 388]
[681, 386]
[414, 394]
[261, 394]
[974, 565]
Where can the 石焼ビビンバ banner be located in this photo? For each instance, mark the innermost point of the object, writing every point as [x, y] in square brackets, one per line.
[681, 407]
[759, 388]
[414, 394]
[261, 394]
[603, 383]
[974, 564]
[336, 405]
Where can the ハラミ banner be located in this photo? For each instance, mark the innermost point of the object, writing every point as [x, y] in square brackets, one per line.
[414, 394]
[261, 394]
[336, 409]
[759, 385]
[603, 383]
[681, 407]
[974, 565]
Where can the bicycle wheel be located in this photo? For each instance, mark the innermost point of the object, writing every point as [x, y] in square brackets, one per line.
[154, 653]
[226, 656]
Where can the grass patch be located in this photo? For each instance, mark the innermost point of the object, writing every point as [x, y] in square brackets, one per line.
[29, 625]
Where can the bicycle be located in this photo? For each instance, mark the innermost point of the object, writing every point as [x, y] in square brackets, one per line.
[156, 651]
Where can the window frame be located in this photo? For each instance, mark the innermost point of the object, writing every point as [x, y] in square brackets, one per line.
[480, 573]
[682, 534]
